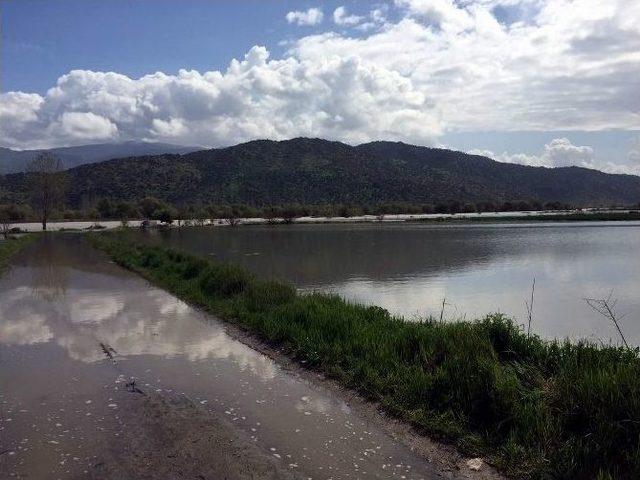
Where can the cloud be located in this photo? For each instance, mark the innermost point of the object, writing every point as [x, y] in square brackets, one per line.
[377, 18]
[408, 70]
[560, 152]
[312, 16]
[18, 112]
[340, 98]
[83, 126]
[547, 69]
[441, 13]
[341, 17]
[633, 155]
[379, 15]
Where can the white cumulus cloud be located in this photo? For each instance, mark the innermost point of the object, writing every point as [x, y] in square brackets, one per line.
[341, 17]
[560, 152]
[312, 16]
[18, 114]
[444, 14]
[340, 98]
[83, 126]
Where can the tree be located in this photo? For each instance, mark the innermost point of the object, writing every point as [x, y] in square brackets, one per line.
[47, 185]
[289, 213]
[149, 205]
[164, 216]
[105, 208]
[184, 214]
[124, 211]
[272, 214]
[200, 215]
[5, 221]
[469, 208]
[441, 208]
[230, 214]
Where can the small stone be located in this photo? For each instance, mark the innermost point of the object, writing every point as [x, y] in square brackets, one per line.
[475, 464]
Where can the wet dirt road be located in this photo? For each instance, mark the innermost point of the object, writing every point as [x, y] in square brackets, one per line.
[76, 330]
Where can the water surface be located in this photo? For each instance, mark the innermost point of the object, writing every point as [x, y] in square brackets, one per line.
[475, 268]
[63, 306]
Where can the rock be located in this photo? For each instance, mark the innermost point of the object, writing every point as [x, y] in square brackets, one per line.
[474, 464]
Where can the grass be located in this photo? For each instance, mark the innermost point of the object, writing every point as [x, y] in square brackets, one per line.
[11, 246]
[565, 217]
[536, 409]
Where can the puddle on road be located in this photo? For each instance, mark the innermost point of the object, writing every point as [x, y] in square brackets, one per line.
[75, 327]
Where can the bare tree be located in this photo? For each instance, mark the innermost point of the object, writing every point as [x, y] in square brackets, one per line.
[200, 216]
[47, 185]
[271, 215]
[288, 215]
[605, 306]
[233, 220]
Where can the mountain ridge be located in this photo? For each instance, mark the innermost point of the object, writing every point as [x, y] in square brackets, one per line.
[317, 171]
[14, 161]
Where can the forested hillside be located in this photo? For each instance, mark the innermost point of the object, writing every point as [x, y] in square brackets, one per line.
[313, 171]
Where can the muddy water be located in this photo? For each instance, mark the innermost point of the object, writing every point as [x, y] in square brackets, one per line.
[409, 269]
[75, 328]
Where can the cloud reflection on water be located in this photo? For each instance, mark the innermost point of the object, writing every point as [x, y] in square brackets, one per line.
[133, 319]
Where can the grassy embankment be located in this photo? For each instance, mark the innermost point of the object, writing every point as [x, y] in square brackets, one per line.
[568, 217]
[10, 247]
[536, 409]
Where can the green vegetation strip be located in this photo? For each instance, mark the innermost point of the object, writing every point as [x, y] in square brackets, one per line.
[536, 409]
[10, 246]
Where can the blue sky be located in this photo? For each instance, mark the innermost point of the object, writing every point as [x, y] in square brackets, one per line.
[541, 82]
[44, 39]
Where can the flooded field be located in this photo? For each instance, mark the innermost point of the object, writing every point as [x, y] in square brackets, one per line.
[103, 374]
[410, 269]
[75, 330]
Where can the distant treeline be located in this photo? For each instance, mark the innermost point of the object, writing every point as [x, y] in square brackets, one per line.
[155, 209]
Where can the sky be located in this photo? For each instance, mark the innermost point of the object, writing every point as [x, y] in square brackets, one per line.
[537, 82]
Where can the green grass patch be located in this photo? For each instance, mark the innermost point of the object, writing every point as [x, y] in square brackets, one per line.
[10, 246]
[536, 409]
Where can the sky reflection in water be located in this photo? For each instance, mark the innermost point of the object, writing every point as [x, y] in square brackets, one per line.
[479, 269]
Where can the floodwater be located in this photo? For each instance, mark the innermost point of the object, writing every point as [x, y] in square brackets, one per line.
[63, 307]
[476, 269]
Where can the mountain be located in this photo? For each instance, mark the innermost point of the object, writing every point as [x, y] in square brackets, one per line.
[12, 161]
[315, 171]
